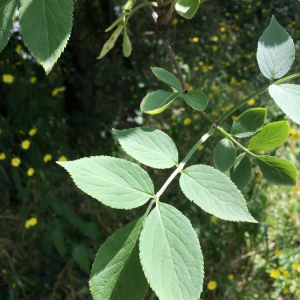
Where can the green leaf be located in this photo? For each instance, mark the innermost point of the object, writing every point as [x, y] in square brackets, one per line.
[115, 23]
[270, 137]
[167, 78]
[277, 170]
[187, 8]
[275, 52]
[80, 254]
[127, 48]
[117, 272]
[240, 173]
[224, 155]
[215, 193]
[156, 102]
[115, 182]
[196, 99]
[7, 10]
[110, 43]
[249, 122]
[287, 97]
[171, 255]
[58, 239]
[149, 146]
[46, 27]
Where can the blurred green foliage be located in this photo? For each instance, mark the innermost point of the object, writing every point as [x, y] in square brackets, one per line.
[50, 231]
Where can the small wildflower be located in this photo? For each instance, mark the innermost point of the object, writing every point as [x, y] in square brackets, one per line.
[30, 222]
[47, 157]
[293, 131]
[25, 144]
[233, 118]
[222, 29]
[233, 38]
[13, 285]
[33, 79]
[274, 273]
[16, 161]
[173, 117]
[230, 277]
[201, 147]
[174, 21]
[212, 285]
[232, 80]
[2, 156]
[62, 158]
[251, 102]
[32, 131]
[258, 179]
[204, 69]
[196, 68]
[295, 266]
[195, 40]
[187, 121]
[286, 291]
[195, 116]
[215, 48]
[7, 78]
[18, 48]
[58, 90]
[215, 38]
[286, 274]
[213, 219]
[214, 113]
[277, 252]
[30, 171]
[201, 63]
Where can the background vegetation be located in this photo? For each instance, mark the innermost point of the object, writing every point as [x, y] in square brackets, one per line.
[50, 231]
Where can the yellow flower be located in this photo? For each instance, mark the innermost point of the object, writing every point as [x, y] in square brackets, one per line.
[62, 158]
[201, 147]
[2, 156]
[16, 161]
[204, 69]
[213, 219]
[210, 68]
[4, 271]
[32, 131]
[33, 79]
[274, 273]
[258, 179]
[195, 39]
[286, 274]
[233, 38]
[222, 29]
[293, 131]
[233, 118]
[196, 68]
[215, 38]
[30, 222]
[215, 48]
[277, 252]
[201, 63]
[173, 117]
[232, 80]
[187, 121]
[47, 157]
[212, 285]
[7, 78]
[30, 171]
[14, 285]
[25, 144]
[174, 21]
[223, 36]
[295, 266]
[196, 127]
[251, 102]
[18, 48]
[230, 277]
[58, 90]
[286, 291]
[195, 116]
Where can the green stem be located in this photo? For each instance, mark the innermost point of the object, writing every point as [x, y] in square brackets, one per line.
[196, 146]
[229, 136]
[293, 76]
[148, 210]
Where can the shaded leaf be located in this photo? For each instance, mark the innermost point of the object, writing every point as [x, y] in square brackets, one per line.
[80, 254]
[249, 122]
[171, 255]
[277, 170]
[58, 239]
[117, 272]
[149, 146]
[127, 48]
[215, 193]
[187, 8]
[167, 78]
[276, 51]
[224, 155]
[46, 28]
[196, 99]
[115, 182]
[270, 137]
[240, 172]
[156, 102]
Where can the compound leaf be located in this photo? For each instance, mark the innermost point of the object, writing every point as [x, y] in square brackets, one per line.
[224, 155]
[46, 27]
[287, 97]
[277, 170]
[187, 8]
[240, 172]
[7, 10]
[149, 146]
[196, 99]
[115, 182]
[249, 122]
[117, 272]
[171, 255]
[270, 137]
[156, 102]
[167, 78]
[276, 51]
[215, 193]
